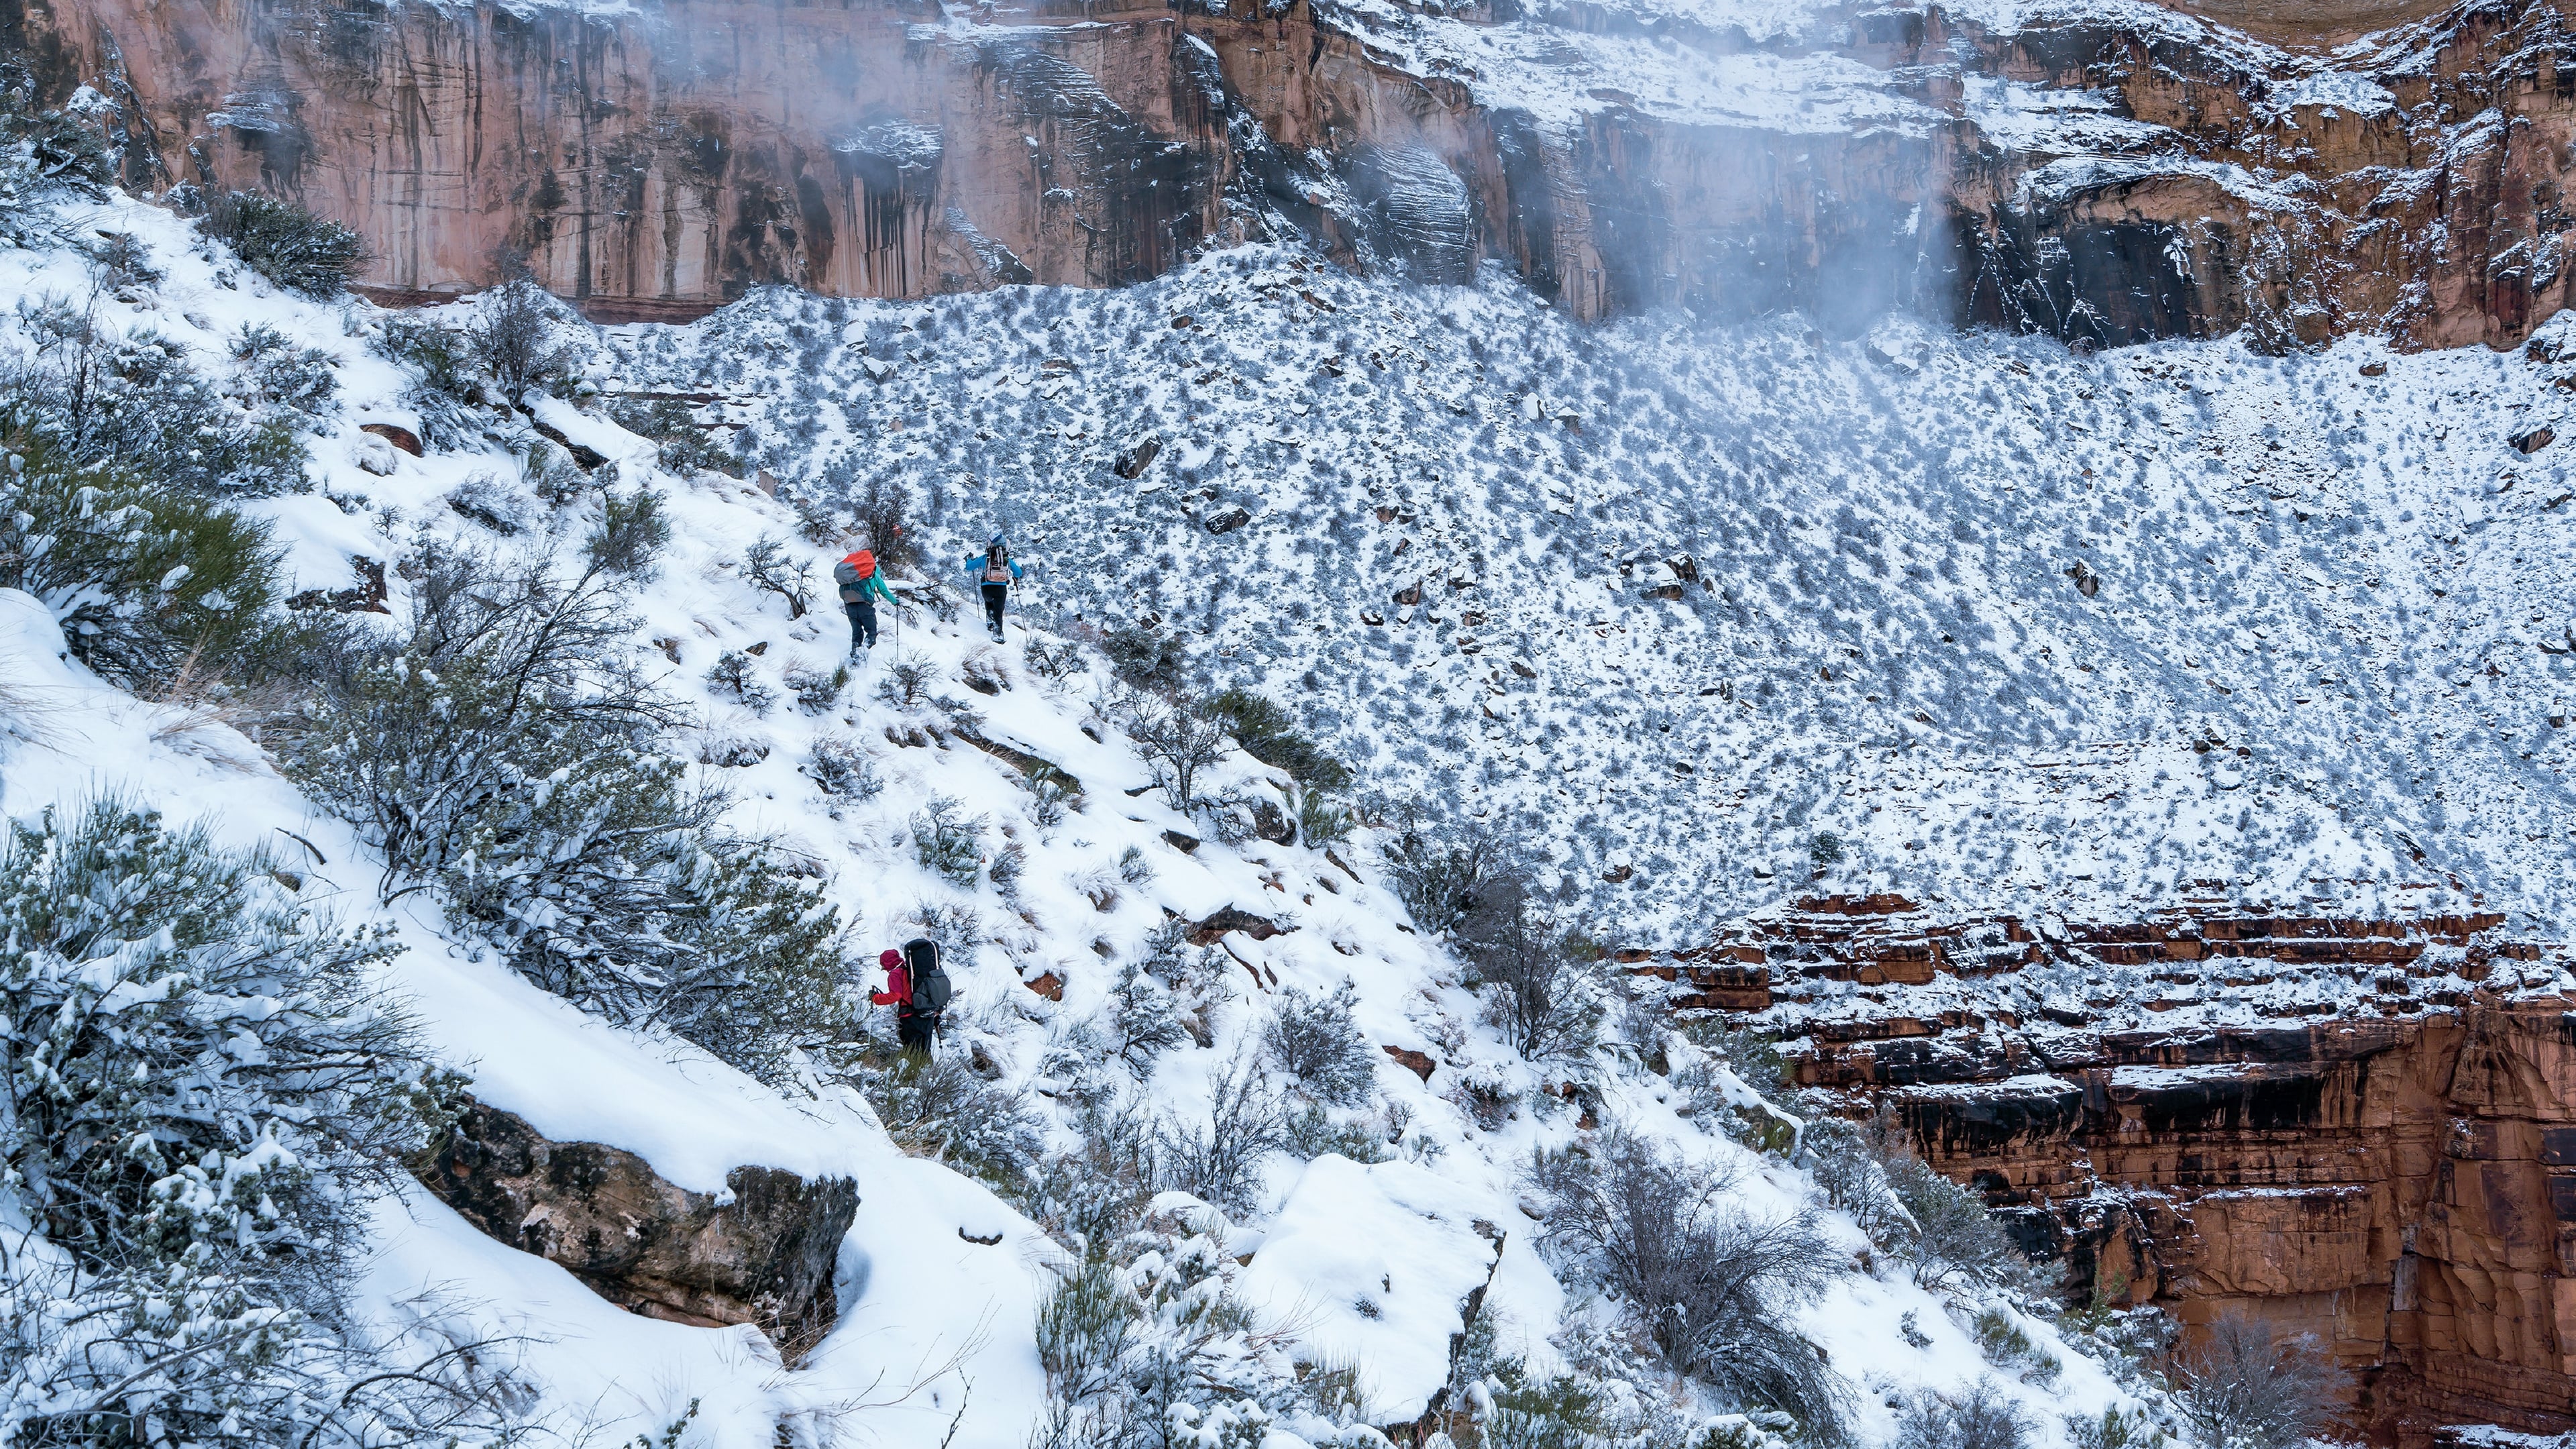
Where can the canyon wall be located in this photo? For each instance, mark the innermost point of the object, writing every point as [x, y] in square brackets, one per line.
[2105, 176]
[2364, 1131]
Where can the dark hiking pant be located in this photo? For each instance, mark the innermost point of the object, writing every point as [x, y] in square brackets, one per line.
[863, 623]
[995, 595]
[915, 1031]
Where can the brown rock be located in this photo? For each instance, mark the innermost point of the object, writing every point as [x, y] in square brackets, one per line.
[1418, 1063]
[1134, 460]
[1259, 928]
[764, 1258]
[2534, 440]
[401, 437]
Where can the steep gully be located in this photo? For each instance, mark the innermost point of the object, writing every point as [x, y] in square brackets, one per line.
[2105, 177]
[2360, 1130]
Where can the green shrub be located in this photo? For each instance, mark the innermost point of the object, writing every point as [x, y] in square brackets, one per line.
[687, 448]
[134, 402]
[937, 1107]
[1560, 1412]
[300, 380]
[284, 242]
[631, 535]
[948, 842]
[203, 1097]
[142, 578]
[1146, 658]
[444, 388]
[1266, 733]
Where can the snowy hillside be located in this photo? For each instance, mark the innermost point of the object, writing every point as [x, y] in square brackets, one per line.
[2021, 629]
[1685, 603]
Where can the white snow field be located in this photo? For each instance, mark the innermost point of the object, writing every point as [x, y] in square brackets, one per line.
[1688, 598]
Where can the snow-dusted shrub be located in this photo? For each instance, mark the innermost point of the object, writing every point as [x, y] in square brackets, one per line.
[1133, 867]
[2243, 1389]
[1143, 1019]
[516, 340]
[1954, 1241]
[686, 448]
[1147, 1347]
[1562, 1411]
[1219, 1160]
[2117, 1428]
[277, 372]
[283, 242]
[1050, 791]
[630, 536]
[2006, 1344]
[442, 366]
[843, 770]
[1321, 823]
[1977, 1417]
[1311, 1132]
[135, 403]
[1312, 1038]
[907, 682]
[734, 673]
[142, 578]
[46, 157]
[508, 753]
[1147, 658]
[815, 690]
[1849, 1161]
[881, 514]
[1056, 663]
[1269, 735]
[937, 1107]
[1709, 1286]
[947, 841]
[1010, 863]
[1441, 872]
[201, 1097]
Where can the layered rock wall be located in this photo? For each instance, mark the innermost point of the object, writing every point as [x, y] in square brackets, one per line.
[2396, 1175]
[2105, 177]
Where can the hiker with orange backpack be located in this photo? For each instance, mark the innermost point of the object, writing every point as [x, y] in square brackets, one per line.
[862, 584]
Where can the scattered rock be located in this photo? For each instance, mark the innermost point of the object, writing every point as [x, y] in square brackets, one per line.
[400, 437]
[1665, 591]
[1523, 670]
[1408, 596]
[1047, 984]
[985, 1241]
[2374, 369]
[1373, 618]
[762, 1254]
[1185, 844]
[1272, 823]
[1231, 918]
[1185, 320]
[877, 369]
[368, 597]
[584, 457]
[1418, 1063]
[2534, 440]
[1133, 462]
[2087, 582]
[1228, 521]
[1619, 874]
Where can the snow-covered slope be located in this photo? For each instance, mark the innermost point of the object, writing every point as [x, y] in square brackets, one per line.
[2023, 629]
[1363, 1264]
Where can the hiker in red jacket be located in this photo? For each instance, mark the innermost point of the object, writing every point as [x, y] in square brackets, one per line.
[916, 996]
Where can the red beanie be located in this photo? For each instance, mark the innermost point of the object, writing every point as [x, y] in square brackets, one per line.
[891, 959]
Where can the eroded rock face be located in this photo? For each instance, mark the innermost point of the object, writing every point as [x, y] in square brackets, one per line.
[2396, 1174]
[2106, 176]
[762, 1255]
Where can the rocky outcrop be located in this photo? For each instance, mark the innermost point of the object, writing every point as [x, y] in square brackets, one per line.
[2394, 1173]
[2106, 175]
[761, 1253]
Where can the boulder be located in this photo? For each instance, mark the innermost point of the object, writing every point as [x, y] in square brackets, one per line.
[761, 1254]
[1231, 918]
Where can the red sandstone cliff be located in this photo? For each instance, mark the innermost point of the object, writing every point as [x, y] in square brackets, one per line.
[2105, 176]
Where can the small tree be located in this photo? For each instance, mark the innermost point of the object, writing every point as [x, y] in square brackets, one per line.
[1547, 1003]
[1181, 742]
[515, 340]
[1220, 1160]
[2241, 1389]
[1709, 1286]
[770, 568]
[1442, 872]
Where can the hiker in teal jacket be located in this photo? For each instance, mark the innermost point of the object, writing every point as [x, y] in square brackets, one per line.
[862, 583]
[995, 571]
